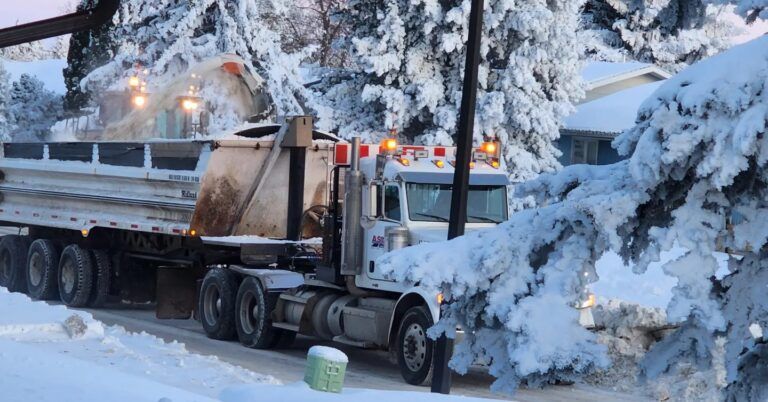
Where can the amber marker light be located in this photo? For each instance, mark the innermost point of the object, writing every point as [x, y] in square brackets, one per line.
[389, 145]
[439, 163]
[489, 148]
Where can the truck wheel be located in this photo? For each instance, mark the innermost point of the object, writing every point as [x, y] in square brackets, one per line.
[217, 303]
[102, 279]
[414, 348]
[42, 265]
[13, 263]
[75, 276]
[253, 315]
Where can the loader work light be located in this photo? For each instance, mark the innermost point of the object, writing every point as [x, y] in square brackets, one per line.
[139, 100]
[189, 104]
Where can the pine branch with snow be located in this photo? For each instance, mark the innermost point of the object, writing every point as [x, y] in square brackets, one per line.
[697, 155]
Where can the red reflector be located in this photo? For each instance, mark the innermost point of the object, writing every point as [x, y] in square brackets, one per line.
[93, 221]
[439, 151]
[112, 223]
[73, 219]
[176, 231]
[155, 229]
[364, 151]
[341, 154]
[134, 226]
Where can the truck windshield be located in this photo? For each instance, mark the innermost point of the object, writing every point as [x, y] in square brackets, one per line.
[432, 203]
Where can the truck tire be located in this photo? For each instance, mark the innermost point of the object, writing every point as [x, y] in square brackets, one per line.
[414, 348]
[217, 303]
[13, 263]
[75, 276]
[253, 315]
[42, 268]
[102, 278]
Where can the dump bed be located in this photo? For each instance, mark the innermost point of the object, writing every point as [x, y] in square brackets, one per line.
[216, 188]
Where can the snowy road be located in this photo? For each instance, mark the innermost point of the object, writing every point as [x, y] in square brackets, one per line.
[370, 369]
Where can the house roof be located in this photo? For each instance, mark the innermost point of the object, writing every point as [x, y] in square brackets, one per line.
[600, 73]
[610, 114]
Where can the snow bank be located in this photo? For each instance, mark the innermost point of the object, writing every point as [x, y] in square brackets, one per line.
[51, 353]
[50, 72]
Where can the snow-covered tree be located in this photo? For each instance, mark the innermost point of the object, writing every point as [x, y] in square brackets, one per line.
[33, 109]
[29, 51]
[313, 23]
[669, 33]
[697, 156]
[6, 123]
[408, 61]
[167, 37]
[86, 51]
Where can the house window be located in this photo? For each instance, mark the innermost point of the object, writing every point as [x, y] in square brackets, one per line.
[584, 151]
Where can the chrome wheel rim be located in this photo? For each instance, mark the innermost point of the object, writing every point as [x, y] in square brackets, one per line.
[68, 276]
[212, 305]
[249, 313]
[35, 269]
[415, 347]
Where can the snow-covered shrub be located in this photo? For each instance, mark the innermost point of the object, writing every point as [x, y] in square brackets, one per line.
[32, 109]
[698, 154]
[167, 37]
[409, 58]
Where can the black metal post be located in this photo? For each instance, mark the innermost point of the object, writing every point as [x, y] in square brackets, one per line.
[441, 381]
[298, 158]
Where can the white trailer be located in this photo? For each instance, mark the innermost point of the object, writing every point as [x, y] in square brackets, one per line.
[227, 229]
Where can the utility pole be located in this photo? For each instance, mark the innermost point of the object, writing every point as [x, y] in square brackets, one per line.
[441, 381]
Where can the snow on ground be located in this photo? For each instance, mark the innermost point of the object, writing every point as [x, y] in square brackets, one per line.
[53, 354]
[50, 72]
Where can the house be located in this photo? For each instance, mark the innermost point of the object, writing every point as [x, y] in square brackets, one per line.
[615, 92]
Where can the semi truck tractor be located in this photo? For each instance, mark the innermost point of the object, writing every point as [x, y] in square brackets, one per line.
[261, 236]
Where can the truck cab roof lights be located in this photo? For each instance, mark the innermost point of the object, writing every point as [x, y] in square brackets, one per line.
[439, 163]
[404, 161]
[389, 146]
[489, 148]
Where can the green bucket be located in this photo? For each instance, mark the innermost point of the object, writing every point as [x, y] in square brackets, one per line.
[325, 369]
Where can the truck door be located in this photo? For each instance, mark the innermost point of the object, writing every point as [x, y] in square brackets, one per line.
[389, 213]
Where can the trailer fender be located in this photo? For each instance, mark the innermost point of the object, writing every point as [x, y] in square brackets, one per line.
[272, 279]
[414, 296]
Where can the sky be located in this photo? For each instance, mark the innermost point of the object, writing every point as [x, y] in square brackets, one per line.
[20, 12]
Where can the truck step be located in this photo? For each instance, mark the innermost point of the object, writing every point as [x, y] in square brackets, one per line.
[347, 341]
[285, 325]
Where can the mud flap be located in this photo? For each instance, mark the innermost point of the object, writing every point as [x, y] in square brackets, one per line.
[177, 297]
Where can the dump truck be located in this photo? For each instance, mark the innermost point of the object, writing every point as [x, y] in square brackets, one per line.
[261, 236]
